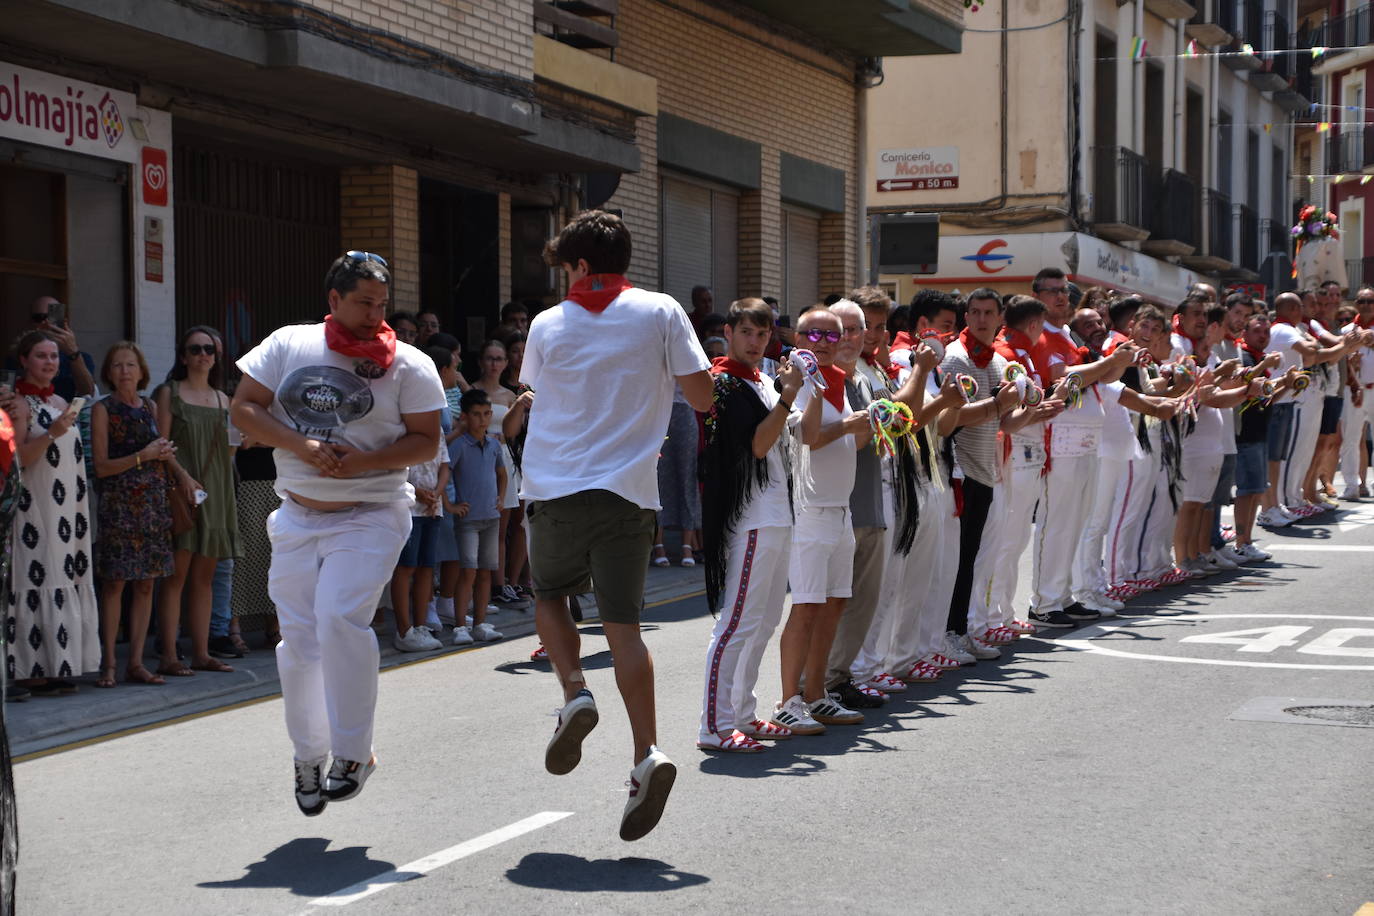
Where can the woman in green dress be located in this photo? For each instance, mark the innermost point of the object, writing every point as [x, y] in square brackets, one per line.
[195, 413]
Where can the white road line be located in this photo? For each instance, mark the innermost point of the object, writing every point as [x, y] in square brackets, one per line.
[1338, 548]
[429, 863]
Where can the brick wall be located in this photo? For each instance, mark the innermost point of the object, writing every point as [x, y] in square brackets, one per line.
[722, 70]
[380, 212]
[492, 34]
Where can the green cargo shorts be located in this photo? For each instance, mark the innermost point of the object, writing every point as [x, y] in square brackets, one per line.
[594, 539]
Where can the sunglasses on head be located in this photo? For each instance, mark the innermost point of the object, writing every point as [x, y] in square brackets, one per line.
[365, 256]
[200, 349]
[816, 335]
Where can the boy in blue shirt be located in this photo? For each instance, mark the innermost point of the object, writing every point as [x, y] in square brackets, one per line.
[480, 480]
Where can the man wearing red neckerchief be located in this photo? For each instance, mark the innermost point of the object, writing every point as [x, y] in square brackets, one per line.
[1318, 487]
[603, 365]
[746, 527]
[1359, 407]
[1071, 475]
[822, 563]
[348, 409]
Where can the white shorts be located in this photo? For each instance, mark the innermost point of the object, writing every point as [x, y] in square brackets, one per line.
[822, 562]
[1200, 475]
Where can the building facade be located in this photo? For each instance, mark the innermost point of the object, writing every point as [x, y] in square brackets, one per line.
[1142, 145]
[180, 162]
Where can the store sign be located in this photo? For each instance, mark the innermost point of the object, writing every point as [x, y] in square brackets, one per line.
[1253, 290]
[51, 110]
[929, 168]
[154, 176]
[152, 249]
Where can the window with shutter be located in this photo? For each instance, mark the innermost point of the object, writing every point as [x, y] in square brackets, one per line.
[699, 233]
[801, 258]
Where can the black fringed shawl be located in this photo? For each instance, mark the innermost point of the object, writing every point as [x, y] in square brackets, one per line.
[729, 472]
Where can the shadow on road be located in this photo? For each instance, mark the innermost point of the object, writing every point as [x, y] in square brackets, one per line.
[557, 871]
[595, 662]
[308, 868]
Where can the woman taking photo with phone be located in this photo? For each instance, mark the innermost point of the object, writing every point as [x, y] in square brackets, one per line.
[130, 460]
[194, 412]
[51, 606]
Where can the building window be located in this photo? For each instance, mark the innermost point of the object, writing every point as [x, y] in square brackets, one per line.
[699, 231]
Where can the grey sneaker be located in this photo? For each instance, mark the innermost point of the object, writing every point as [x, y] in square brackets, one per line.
[419, 639]
[576, 720]
[346, 778]
[650, 783]
[309, 797]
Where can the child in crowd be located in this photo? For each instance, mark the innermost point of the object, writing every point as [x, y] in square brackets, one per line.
[449, 569]
[412, 584]
[480, 479]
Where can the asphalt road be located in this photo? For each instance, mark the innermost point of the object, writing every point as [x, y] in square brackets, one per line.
[1125, 769]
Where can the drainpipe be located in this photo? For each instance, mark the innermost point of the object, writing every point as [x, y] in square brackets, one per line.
[861, 181]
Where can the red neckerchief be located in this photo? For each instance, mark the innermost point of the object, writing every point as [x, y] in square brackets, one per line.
[380, 349]
[1011, 343]
[834, 393]
[724, 365]
[596, 291]
[7, 447]
[1052, 343]
[903, 341]
[1116, 339]
[980, 353]
[24, 386]
[1257, 355]
[1201, 349]
[1363, 323]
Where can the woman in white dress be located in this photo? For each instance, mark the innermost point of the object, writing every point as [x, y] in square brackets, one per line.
[51, 615]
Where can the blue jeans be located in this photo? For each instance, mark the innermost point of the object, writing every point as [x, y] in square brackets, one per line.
[221, 596]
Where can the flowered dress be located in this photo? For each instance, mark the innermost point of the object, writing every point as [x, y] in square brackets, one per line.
[50, 622]
[135, 515]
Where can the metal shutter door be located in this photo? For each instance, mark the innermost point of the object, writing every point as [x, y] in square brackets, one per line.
[801, 244]
[725, 241]
[685, 234]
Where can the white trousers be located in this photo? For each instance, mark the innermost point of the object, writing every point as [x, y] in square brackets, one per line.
[328, 572]
[1353, 420]
[995, 571]
[1069, 489]
[1156, 541]
[752, 602]
[933, 614]
[1307, 422]
[1089, 572]
[1121, 546]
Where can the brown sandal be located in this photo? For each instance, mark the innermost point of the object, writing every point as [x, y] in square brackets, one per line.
[106, 679]
[237, 640]
[212, 664]
[176, 669]
[141, 675]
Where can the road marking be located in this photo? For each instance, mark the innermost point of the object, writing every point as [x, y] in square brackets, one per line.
[1081, 640]
[419, 867]
[1335, 548]
[1366, 910]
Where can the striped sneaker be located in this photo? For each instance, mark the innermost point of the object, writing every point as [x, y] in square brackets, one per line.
[346, 778]
[828, 711]
[650, 783]
[794, 715]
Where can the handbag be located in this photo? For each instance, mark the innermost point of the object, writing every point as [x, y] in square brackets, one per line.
[183, 511]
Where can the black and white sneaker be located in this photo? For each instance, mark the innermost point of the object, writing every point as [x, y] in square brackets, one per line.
[575, 721]
[1077, 611]
[828, 711]
[1057, 620]
[309, 796]
[346, 778]
[851, 696]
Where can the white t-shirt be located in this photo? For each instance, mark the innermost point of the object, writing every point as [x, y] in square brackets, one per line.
[768, 506]
[1118, 425]
[603, 386]
[1366, 374]
[1282, 339]
[1207, 435]
[320, 394]
[426, 477]
[825, 476]
[1223, 351]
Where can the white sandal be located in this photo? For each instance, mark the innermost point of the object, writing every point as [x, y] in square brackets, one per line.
[663, 560]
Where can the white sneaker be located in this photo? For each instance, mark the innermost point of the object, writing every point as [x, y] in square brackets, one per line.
[485, 632]
[650, 783]
[346, 778]
[1196, 569]
[977, 648]
[955, 650]
[462, 636]
[432, 620]
[310, 797]
[793, 714]
[575, 721]
[467, 621]
[1273, 518]
[1229, 552]
[443, 609]
[419, 639]
[1219, 560]
[1290, 513]
[830, 711]
[1253, 554]
[1096, 601]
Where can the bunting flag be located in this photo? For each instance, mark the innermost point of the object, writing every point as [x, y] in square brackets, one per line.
[1365, 179]
[1323, 127]
[1192, 50]
[1318, 52]
[1138, 48]
[1247, 49]
[1268, 128]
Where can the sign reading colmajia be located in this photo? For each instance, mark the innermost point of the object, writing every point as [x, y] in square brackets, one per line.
[52, 110]
[926, 168]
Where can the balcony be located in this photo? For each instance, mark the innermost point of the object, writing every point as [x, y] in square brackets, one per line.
[1203, 27]
[1359, 272]
[1350, 151]
[1248, 30]
[1119, 194]
[1276, 267]
[1171, 9]
[1349, 31]
[1277, 69]
[1173, 217]
[1218, 252]
[579, 24]
[1225, 13]
[1307, 87]
[872, 28]
[1248, 235]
